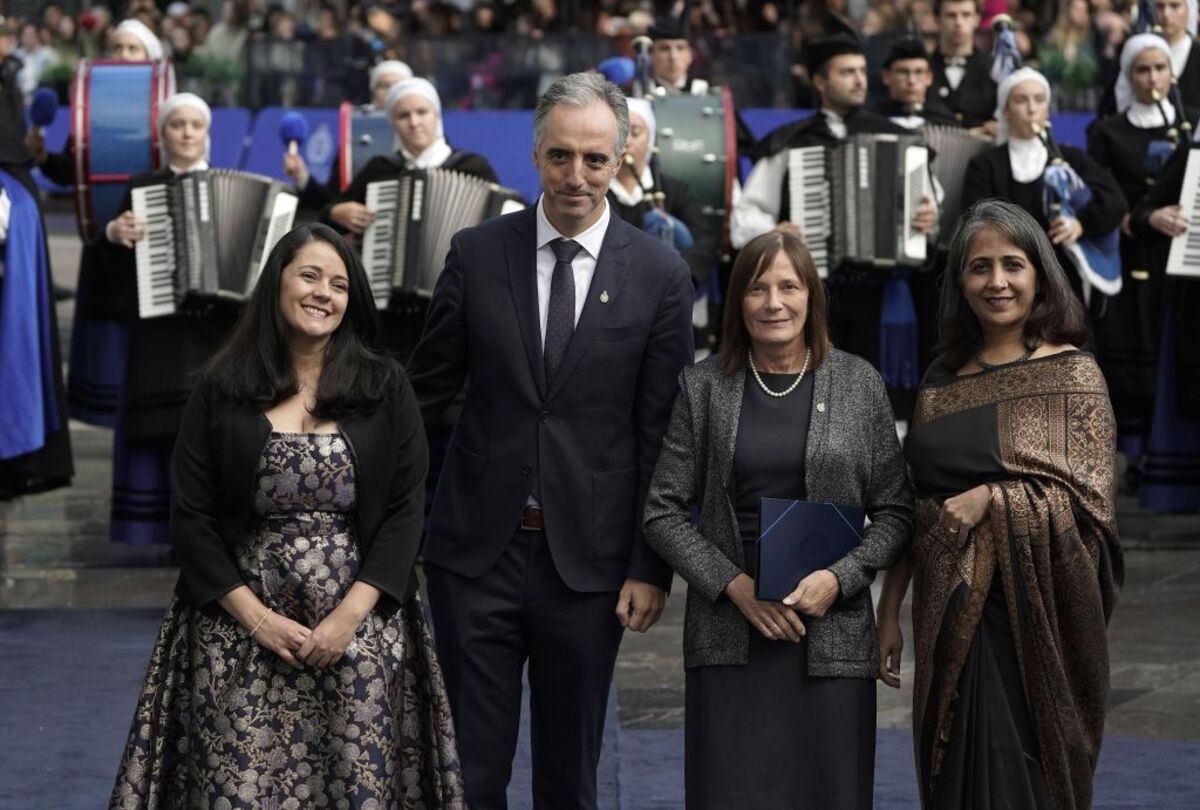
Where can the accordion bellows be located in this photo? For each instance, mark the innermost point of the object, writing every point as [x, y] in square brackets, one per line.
[416, 215]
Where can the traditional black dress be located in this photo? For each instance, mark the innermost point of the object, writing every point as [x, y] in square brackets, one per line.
[1128, 333]
[164, 354]
[35, 446]
[990, 174]
[973, 102]
[740, 717]
[1171, 470]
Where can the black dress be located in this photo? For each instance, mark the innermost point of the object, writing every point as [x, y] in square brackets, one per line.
[766, 735]
[1128, 334]
[164, 355]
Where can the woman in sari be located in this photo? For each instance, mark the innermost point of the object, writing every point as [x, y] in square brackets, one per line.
[1015, 561]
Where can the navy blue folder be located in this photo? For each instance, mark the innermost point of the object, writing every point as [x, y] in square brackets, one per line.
[796, 538]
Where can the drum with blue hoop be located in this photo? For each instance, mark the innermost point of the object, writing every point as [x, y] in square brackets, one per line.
[114, 111]
[363, 132]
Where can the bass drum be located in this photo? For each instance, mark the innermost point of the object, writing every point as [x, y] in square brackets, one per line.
[114, 116]
[697, 143]
[363, 133]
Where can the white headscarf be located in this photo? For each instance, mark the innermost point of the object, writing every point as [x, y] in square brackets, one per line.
[1005, 90]
[1192, 17]
[1134, 46]
[154, 48]
[645, 109]
[390, 66]
[172, 104]
[437, 152]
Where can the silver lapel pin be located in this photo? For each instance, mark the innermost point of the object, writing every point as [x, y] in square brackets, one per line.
[820, 407]
[604, 297]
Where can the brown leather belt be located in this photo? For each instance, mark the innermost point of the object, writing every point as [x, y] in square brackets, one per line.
[531, 519]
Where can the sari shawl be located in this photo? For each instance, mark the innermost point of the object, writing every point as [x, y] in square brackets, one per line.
[1050, 536]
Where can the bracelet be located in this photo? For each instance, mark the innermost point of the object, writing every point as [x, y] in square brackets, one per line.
[260, 622]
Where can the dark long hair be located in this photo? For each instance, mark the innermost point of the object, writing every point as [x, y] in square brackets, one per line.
[255, 365]
[752, 262]
[1057, 316]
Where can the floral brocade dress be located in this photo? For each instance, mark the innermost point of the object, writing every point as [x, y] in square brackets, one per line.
[223, 723]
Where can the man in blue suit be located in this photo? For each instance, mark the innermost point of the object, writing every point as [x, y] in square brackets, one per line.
[572, 327]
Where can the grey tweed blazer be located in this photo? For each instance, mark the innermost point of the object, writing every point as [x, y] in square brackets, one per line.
[853, 457]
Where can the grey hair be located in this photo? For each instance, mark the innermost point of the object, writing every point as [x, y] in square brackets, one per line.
[583, 90]
[1057, 315]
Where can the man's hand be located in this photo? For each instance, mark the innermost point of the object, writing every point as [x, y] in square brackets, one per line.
[925, 217]
[640, 605]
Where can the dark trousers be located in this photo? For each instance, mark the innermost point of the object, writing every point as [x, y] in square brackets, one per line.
[485, 630]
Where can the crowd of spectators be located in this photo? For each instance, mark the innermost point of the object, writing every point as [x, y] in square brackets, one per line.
[500, 53]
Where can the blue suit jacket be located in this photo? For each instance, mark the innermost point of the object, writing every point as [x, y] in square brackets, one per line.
[592, 435]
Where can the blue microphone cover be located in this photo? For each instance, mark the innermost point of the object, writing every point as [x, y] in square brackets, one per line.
[293, 127]
[43, 107]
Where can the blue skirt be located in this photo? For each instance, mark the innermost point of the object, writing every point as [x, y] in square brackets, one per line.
[1171, 475]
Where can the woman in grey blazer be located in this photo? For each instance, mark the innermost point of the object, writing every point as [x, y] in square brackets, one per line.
[780, 706]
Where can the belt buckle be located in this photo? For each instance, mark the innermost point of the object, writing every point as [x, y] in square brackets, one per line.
[531, 520]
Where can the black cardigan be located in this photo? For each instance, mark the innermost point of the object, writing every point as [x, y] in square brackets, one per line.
[212, 490]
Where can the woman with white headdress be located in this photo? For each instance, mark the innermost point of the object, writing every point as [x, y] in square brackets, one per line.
[416, 114]
[1135, 143]
[646, 198]
[98, 337]
[164, 352]
[1013, 170]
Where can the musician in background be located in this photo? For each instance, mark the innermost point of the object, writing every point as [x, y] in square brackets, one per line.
[416, 113]
[164, 352]
[1176, 21]
[838, 67]
[35, 446]
[671, 58]
[96, 369]
[1135, 144]
[313, 195]
[908, 74]
[1169, 482]
[1013, 170]
[961, 74]
[646, 198]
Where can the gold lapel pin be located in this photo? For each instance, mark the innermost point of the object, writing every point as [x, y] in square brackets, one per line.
[820, 407]
[604, 297]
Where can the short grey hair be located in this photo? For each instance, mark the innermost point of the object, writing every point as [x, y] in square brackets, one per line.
[583, 90]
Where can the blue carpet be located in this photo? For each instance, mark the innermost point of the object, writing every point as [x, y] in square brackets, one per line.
[69, 680]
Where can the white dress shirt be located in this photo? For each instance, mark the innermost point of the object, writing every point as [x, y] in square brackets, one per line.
[584, 265]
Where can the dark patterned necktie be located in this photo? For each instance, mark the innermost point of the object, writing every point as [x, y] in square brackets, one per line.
[560, 314]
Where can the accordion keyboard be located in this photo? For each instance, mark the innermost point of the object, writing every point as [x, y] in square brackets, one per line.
[380, 237]
[811, 201]
[1184, 259]
[156, 253]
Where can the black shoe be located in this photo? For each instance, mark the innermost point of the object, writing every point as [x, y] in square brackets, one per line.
[61, 293]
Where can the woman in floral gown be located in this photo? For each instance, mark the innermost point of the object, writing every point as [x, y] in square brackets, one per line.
[294, 668]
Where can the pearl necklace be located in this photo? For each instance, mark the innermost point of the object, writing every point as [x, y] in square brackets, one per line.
[790, 388]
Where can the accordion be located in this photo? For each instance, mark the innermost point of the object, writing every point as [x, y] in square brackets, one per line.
[208, 233]
[954, 148]
[416, 215]
[854, 201]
